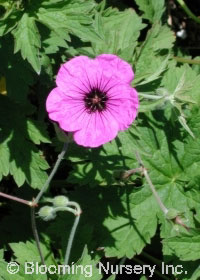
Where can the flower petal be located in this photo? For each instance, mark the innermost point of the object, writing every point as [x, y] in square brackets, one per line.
[54, 100]
[115, 67]
[123, 104]
[78, 74]
[68, 112]
[101, 128]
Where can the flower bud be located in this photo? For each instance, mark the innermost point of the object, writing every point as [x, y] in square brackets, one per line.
[172, 214]
[60, 201]
[47, 213]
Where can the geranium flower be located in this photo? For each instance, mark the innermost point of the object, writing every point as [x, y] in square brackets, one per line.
[93, 98]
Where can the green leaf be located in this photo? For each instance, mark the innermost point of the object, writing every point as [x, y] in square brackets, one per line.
[191, 270]
[127, 24]
[158, 38]
[183, 83]
[187, 248]
[55, 41]
[60, 22]
[54, 20]
[161, 67]
[119, 33]
[152, 9]
[181, 88]
[8, 24]
[27, 252]
[5, 275]
[27, 40]
[143, 278]
[4, 160]
[162, 37]
[73, 7]
[132, 231]
[89, 269]
[10, 17]
[112, 277]
[17, 72]
[24, 252]
[20, 157]
[99, 164]
[36, 131]
[183, 122]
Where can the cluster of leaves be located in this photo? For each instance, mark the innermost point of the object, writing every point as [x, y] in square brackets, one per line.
[120, 216]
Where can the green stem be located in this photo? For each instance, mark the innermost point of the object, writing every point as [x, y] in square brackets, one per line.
[76, 205]
[35, 234]
[64, 208]
[71, 239]
[162, 206]
[188, 11]
[153, 189]
[122, 261]
[152, 259]
[36, 200]
[77, 213]
[186, 60]
[156, 271]
[150, 96]
[45, 186]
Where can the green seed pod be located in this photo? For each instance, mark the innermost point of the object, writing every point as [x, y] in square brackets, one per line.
[47, 213]
[119, 174]
[172, 214]
[60, 201]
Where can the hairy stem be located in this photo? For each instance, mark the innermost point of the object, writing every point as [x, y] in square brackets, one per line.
[186, 60]
[64, 208]
[45, 186]
[160, 203]
[35, 201]
[35, 234]
[29, 203]
[71, 239]
[188, 11]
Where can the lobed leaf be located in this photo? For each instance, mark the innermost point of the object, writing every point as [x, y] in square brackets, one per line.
[27, 40]
[152, 9]
[21, 158]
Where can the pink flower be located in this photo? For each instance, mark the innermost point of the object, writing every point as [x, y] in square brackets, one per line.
[93, 98]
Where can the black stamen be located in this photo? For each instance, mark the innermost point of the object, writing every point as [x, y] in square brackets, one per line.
[95, 100]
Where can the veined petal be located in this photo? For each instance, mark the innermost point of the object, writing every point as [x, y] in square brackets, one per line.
[74, 120]
[123, 103]
[113, 66]
[68, 112]
[101, 128]
[79, 73]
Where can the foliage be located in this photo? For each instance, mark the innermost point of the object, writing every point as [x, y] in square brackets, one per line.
[120, 217]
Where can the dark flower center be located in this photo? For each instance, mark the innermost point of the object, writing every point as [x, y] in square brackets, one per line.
[95, 100]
